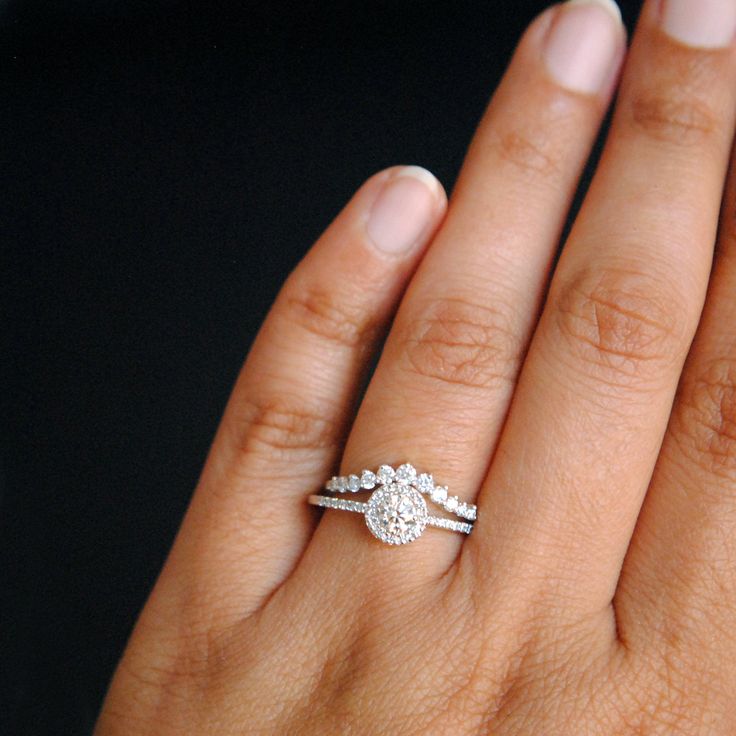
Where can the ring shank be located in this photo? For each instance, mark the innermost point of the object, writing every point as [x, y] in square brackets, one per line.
[344, 504]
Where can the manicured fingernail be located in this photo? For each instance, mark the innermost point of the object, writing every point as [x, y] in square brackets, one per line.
[403, 210]
[582, 49]
[704, 23]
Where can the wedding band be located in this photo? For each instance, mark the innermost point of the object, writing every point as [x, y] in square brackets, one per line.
[404, 475]
[394, 514]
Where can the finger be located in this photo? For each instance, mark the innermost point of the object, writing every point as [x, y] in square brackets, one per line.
[286, 419]
[595, 393]
[443, 384]
[680, 571]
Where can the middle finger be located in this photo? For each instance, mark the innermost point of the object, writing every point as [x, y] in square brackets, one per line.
[595, 394]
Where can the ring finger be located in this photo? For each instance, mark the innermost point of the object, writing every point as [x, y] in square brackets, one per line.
[442, 387]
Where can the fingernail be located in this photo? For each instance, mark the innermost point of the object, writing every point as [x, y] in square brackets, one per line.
[582, 49]
[403, 210]
[704, 23]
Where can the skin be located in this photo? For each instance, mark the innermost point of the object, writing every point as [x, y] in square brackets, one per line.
[597, 592]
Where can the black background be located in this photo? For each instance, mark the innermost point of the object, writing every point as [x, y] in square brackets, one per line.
[165, 164]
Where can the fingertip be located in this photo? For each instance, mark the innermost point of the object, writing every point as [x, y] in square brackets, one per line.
[583, 49]
[405, 211]
[427, 178]
[610, 5]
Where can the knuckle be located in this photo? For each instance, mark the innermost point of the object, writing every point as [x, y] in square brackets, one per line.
[462, 343]
[532, 152]
[332, 313]
[663, 717]
[619, 323]
[279, 426]
[166, 683]
[679, 696]
[674, 116]
[706, 418]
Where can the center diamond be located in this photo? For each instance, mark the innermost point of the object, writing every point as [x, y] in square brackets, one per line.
[396, 514]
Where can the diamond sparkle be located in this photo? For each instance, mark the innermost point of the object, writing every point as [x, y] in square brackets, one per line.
[439, 494]
[406, 474]
[385, 474]
[424, 483]
[368, 480]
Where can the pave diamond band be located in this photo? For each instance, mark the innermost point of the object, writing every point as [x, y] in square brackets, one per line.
[394, 514]
[405, 475]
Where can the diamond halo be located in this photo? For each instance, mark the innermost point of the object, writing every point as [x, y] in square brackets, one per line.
[396, 514]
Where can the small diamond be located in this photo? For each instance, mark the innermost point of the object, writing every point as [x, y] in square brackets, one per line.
[353, 483]
[341, 483]
[451, 503]
[439, 493]
[331, 484]
[471, 513]
[424, 483]
[385, 474]
[368, 480]
[406, 474]
[462, 509]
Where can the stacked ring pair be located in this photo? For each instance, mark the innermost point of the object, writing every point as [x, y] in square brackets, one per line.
[397, 512]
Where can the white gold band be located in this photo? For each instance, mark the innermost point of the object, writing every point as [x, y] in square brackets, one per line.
[394, 514]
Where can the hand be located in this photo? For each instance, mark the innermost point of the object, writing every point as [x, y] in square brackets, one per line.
[596, 593]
